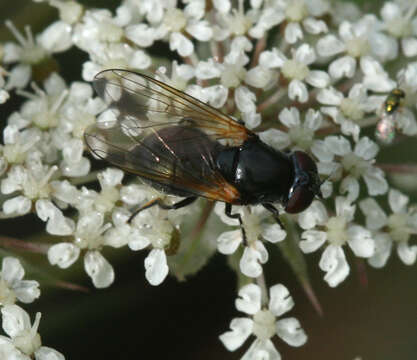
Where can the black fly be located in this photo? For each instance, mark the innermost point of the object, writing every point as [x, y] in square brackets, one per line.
[183, 147]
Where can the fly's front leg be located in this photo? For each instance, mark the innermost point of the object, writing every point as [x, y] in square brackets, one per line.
[164, 206]
[228, 212]
[275, 213]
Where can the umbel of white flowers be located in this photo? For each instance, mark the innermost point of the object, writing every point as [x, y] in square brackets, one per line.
[314, 88]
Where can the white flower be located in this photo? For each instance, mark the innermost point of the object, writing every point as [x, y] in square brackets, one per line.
[180, 75]
[337, 159]
[375, 78]
[110, 180]
[356, 40]
[135, 194]
[400, 22]
[31, 51]
[255, 253]
[24, 341]
[122, 233]
[395, 228]
[348, 112]
[233, 74]
[12, 285]
[171, 26]
[298, 73]
[110, 55]
[79, 110]
[69, 11]
[263, 323]
[338, 230]
[300, 135]
[97, 26]
[232, 71]
[299, 14]
[88, 236]
[33, 183]
[17, 143]
[152, 229]
[44, 106]
[235, 22]
[105, 200]
[73, 163]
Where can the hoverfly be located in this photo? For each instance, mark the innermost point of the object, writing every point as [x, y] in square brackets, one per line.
[385, 128]
[182, 146]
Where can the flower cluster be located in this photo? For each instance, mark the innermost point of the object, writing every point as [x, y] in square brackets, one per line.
[304, 75]
[23, 341]
[263, 324]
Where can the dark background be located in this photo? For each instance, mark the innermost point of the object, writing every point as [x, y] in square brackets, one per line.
[183, 320]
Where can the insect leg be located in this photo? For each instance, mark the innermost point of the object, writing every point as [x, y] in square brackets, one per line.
[161, 204]
[228, 212]
[275, 213]
[178, 205]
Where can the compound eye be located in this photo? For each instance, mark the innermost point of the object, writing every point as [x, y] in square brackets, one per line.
[299, 200]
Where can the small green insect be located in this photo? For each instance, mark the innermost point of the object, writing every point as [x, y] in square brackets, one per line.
[394, 100]
[385, 128]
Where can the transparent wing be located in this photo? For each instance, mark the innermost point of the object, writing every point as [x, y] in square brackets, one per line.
[150, 103]
[167, 137]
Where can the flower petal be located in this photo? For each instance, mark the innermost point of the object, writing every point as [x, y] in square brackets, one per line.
[317, 78]
[293, 32]
[273, 233]
[262, 349]
[47, 353]
[407, 253]
[305, 54]
[249, 262]
[56, 37]
[313, 239]
[333, 262]
[27, 291]
[229, 241]
[290, 117]
[19, 205]
[375, 216]
[297, 90]
[250, 299]
[397, 201]
[200, 30]
[360, 241]
[15, 320]
[291, 332]
[375, 181]
[383, 246]
[350, 186]
[12, 270]
[241, 329]
[275, 138]
[330, 96]
[63, 254]
[409, 46]
[329, 45]
[181, 44]
[338, 145]
[99, 269]
[315, 214]
[342, 67]
[156, 267]
[280, 300]
[366, 148]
